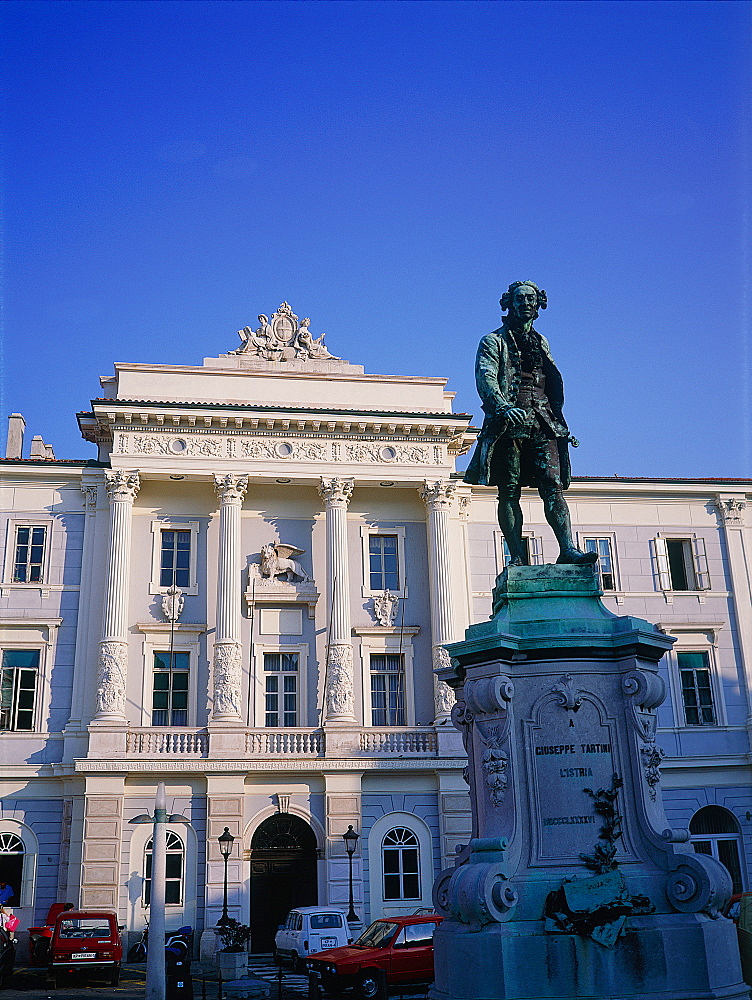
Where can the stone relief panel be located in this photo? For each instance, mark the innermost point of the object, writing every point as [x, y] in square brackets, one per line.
[279, 560]
[227, 678]
[111, 673]
[443, 695]
[494, 762]
[339, 688]
[385, 607]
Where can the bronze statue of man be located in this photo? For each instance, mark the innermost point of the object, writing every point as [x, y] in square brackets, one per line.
[524, 440]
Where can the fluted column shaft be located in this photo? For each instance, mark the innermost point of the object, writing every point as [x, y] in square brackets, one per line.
[230, 490]
[439, 497]
[340, 700]
[122, 488]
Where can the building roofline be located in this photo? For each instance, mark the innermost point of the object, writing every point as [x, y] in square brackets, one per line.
[670, 480]
[91, 463]
[266, 408]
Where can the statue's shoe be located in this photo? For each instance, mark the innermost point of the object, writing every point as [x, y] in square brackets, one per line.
[573, 557]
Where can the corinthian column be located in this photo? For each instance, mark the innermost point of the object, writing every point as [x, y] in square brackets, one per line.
[438, 498]
[230, 491]
[122, 488]
[340, 702]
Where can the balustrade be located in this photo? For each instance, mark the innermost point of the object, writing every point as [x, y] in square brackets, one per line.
[153, 741]
[384, 741]
[285, 741]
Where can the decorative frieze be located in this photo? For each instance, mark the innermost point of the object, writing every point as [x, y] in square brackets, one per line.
[277, 448]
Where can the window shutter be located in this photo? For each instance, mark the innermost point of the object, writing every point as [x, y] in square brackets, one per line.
[701, 564]
[661, 558]
[536, 556]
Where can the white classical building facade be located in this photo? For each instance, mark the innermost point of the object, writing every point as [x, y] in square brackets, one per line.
[244, 596]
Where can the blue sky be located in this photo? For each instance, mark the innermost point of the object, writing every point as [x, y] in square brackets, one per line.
[170, 170]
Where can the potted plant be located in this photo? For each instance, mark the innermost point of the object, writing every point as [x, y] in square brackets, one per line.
[232, 958]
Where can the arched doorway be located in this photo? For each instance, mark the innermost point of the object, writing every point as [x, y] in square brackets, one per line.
[714, 831]
[283, 875]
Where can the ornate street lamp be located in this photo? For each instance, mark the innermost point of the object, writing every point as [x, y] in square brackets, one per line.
[351, 839]
[226, 841]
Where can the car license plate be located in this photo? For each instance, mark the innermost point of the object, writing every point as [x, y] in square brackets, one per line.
[328, 943]
[83, 954]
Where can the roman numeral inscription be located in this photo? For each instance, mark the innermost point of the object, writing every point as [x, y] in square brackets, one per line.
[571, 751]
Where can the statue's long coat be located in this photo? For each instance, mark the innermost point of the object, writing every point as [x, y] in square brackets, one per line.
[498, 368]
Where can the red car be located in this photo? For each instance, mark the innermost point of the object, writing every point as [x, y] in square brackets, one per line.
[401, 947]
[87, 940]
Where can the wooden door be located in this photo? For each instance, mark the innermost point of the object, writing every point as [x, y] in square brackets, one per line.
[283, 875]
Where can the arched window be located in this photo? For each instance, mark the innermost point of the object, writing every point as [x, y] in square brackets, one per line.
[401, 864]
[714, 831]
[12, 864]
[174, 870]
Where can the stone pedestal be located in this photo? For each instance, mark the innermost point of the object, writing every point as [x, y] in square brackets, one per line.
[572, 884]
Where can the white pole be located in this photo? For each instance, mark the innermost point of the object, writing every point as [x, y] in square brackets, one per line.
[155, 957]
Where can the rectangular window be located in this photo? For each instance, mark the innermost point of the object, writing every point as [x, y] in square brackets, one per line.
[383, 562]
[682, 564]
[18, 688]
[29, 554]
[175, 562]
[697, 693]
[605, 564]
[281, 689]
[387, 689]
[169, 706]
[508, 554]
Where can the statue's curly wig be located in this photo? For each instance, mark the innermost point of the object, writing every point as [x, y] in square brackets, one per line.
[506, 299]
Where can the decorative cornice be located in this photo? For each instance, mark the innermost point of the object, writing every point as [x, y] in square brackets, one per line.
[321, 765]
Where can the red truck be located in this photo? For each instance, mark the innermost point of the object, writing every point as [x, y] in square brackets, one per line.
[400, 947]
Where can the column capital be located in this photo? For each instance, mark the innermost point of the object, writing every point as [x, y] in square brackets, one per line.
[336, 492]
[731, 510]
[438, 494]
[122, 485]
[230, 489]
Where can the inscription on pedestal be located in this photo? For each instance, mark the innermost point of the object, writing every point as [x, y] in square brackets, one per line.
[571, 751]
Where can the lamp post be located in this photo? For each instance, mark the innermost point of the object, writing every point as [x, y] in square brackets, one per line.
[226, 841]
[156, 983]
[351, 839]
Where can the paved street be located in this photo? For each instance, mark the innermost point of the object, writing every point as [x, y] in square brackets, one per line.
[29, 984]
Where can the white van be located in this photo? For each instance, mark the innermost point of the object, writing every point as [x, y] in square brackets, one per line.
[309, 929]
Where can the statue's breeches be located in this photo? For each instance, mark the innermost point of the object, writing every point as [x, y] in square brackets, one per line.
[528, 461]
